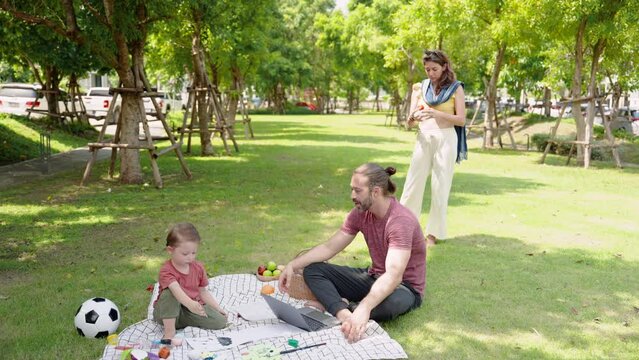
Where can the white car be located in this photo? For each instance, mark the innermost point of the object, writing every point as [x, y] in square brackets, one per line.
[17, 98]
[626, 120]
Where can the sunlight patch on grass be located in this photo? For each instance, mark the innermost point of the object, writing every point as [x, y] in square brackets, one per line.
[147, 262]
[230, 159]
[23, 210]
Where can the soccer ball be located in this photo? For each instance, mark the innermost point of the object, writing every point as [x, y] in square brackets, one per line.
[97, 318]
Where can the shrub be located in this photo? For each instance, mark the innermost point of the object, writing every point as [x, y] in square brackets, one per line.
[540, 140]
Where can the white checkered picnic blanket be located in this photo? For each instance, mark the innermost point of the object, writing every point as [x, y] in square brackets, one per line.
[232, 291]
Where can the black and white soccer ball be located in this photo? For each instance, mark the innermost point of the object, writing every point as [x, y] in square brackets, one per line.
[97, 318]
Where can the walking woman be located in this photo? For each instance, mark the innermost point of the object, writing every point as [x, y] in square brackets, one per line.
[437, 108]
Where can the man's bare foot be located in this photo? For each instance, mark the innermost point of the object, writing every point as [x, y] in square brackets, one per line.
[430, 240]
[316, 304]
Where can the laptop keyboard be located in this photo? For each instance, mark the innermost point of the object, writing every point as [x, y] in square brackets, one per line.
[313, 324]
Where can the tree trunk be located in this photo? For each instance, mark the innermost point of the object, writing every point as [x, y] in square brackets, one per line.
[234, 95]
[616, 97]
[278, 99]
[131, 113]
[377, 107]
[402, 110]
[575, 91]
[200, 80]
[592, 92]
[491, 96]
[52, 83]
[547, 101]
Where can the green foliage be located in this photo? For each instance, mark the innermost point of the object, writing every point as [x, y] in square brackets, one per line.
[540, 141]
[532, 118]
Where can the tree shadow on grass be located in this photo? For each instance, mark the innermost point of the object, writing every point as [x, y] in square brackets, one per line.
[495, 297]
[286, 130]
[506, 151]
[560, 161]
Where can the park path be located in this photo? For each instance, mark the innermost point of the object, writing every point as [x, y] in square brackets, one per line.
[30, 170]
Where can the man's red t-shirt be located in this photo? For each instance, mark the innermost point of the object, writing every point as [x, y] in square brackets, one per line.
[397, 229]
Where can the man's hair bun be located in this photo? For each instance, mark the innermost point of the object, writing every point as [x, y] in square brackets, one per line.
[390, 170]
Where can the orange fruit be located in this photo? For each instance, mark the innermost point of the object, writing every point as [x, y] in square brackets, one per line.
[267, 289]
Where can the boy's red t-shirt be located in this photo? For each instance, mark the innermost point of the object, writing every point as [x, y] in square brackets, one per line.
[190, 283]
[399, 228]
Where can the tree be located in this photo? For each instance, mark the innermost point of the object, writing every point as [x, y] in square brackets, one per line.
[591, 26]
[48, 55]
[115, 33]
[290, 60]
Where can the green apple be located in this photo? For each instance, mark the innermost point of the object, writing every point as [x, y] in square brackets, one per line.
[267, 273]
[271, 265]
[277, 272]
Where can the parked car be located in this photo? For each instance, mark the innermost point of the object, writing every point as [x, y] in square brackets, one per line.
[97, 102]
[172, 101]
[632, 116]
[148, 104]
[309, 106]
[16, 98]
[626, 120]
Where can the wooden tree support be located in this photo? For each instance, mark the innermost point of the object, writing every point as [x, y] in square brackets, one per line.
[246, 120]
[470, 127]
[147, 142]
[585, 145]
[214, 110]
[72, 112]
[390, 115]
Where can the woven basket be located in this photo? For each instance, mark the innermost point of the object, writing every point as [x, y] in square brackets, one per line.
[298, 289]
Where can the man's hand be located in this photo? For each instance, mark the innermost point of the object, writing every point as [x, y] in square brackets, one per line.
[355, 325]
[196, 308]
[285, 278]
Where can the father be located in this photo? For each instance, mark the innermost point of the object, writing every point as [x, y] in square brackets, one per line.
[394, 283]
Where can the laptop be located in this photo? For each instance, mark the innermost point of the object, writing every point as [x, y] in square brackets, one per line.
[305, 318]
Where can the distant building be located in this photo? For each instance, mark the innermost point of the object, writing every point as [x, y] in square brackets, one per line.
[94, 80]
[632, 101]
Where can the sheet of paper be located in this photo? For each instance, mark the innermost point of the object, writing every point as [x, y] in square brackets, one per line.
[263, 332]
[255, 311]
[244, 336]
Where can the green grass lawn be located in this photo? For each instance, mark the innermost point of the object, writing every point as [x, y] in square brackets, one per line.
[20, 138]
[541, 263]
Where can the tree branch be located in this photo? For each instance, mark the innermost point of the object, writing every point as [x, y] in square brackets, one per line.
[101, 18]
[69, 11]
[75, 35]
[154, 19]
[31, 19]
[36, 72]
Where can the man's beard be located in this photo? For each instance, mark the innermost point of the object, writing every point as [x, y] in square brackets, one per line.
[364, 205]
